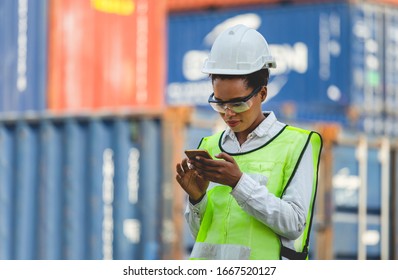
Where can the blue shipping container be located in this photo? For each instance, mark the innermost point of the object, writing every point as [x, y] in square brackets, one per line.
[394, 217]
[313, 45]
[391, 76]
[345, 237]
[367, 57]
[23, 51]
[80, 188]
[346, 180]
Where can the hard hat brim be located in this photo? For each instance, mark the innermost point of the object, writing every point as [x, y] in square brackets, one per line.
[222, 71]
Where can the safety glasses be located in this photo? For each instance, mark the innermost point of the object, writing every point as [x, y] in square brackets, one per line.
[237, 105]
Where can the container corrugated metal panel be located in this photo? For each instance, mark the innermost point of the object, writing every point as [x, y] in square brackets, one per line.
[386, 2]
[394, 217]
[106, 55]
[179, 5]
[7, 161]
[367, 57]
[23, 64]
[314, 77]
[345, 237]
[80, 188]
[346, 180]
[362, 200]
[391, 77]
[312, 246]
[176, 5]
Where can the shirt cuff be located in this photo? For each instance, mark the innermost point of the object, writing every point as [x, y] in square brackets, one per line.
[199, 208]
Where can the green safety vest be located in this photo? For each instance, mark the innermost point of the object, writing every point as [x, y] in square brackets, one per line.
[226, 231]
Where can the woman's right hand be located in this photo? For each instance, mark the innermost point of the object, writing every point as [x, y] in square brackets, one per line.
[190, 180]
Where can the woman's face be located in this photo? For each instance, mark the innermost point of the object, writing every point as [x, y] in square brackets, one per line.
[245, 122]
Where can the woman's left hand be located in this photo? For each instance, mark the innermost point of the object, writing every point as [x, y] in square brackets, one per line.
[225, 172]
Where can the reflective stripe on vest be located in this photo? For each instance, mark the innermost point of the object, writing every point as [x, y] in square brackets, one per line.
[224, 221]
[207, 251]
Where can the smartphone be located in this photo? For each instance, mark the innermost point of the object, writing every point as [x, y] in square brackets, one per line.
[191, 154]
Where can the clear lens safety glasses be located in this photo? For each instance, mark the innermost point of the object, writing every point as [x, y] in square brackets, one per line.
[237, 106]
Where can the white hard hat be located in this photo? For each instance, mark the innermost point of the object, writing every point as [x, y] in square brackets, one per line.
[238, 50]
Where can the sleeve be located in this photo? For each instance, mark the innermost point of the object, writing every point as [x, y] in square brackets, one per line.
[287, 215]
[193, 215]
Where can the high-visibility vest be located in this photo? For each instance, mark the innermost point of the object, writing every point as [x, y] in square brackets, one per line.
[228, 232]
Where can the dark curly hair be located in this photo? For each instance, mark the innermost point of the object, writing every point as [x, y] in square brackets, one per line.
[253, 80]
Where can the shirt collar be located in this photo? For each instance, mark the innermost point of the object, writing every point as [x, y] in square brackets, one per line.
[260, 131]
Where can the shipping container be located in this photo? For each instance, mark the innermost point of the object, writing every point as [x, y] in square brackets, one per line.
[23, 51]
[394, 205]
[347, 179]
[346, 238]
[358, 200]
[391, 77]
[106, 55]
[389, 3]
[185, 5]
[367, 68]
[180, 5]
[356, 219]
[81, 187]
[329, 65]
